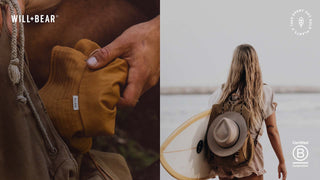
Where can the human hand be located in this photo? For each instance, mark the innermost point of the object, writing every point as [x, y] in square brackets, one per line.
[140, 47]
[5, 7]
[282, 170]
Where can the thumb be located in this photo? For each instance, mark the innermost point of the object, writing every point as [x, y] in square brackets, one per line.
[279, 174]
[103, 56]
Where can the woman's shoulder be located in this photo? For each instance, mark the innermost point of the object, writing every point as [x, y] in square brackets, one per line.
[269, 105]
[215, 96]
[267, 90]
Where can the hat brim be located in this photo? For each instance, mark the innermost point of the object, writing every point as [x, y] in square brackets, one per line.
[221, 151]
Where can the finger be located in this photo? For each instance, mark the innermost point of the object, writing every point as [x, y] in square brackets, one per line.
[279, 174]
[130, 95]
[284, 176]
[105, 55]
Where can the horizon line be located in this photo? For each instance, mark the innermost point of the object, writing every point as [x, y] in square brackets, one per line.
[175, 90]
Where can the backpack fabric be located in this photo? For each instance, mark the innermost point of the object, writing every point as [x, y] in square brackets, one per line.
[245, 154]
[97, 165]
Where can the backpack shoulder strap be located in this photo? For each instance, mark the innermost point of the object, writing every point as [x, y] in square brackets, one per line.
[263, 118]
[256, 138]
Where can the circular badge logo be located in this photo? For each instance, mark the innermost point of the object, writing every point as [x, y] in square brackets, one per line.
[300, 153]
[301, 22]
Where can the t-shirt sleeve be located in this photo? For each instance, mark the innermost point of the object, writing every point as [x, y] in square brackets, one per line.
[215, 96]
[269, 104]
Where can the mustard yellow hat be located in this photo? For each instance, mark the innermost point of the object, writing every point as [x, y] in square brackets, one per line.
[81, 102]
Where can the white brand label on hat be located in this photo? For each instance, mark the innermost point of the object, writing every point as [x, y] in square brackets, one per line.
[75, 103]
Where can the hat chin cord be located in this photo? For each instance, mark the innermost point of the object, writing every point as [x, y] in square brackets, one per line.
[16, 69]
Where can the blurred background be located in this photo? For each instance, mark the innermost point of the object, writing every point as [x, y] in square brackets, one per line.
[197, 42]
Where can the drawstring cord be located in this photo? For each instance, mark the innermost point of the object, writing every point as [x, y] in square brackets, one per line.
[16, 69]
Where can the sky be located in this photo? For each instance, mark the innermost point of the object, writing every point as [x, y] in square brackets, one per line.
[199, 37]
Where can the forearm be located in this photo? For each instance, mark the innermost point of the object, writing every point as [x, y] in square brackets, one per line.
[274, 138]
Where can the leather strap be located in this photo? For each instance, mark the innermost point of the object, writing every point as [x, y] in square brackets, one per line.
[105, 177]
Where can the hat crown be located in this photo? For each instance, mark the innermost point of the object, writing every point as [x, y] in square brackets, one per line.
[226, 132]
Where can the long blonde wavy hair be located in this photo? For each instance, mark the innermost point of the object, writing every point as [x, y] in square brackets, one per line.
[245, 77]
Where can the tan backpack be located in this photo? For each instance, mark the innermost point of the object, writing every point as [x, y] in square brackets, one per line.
[245, 154]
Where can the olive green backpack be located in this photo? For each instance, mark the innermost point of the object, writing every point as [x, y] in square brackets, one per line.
[245, 154]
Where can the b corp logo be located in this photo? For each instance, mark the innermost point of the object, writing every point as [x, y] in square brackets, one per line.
[300, 154]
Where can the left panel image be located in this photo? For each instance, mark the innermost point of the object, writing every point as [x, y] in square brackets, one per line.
[80, 89]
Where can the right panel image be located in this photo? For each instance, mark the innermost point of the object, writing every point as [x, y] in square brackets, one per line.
[240, 93]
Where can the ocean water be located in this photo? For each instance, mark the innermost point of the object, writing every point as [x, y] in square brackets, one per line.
[298, 119]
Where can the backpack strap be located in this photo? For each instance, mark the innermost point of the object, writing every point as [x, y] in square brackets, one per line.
[256, 138]
[263, 118]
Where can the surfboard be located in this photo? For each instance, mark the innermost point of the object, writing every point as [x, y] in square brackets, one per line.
[182, 154]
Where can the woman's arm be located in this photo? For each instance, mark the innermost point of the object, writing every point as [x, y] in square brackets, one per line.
[274, 138]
